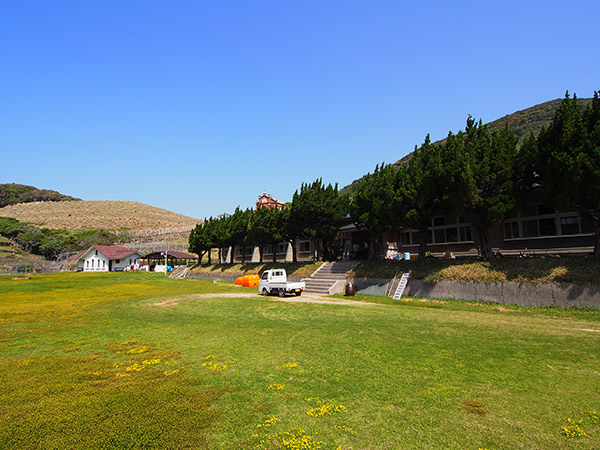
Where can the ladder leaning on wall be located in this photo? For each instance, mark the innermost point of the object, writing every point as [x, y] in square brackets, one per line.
[401, 287]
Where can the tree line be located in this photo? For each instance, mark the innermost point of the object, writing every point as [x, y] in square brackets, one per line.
[52, 243]
[481, 173]
[486, 175]
[316, 212]
[11, 194]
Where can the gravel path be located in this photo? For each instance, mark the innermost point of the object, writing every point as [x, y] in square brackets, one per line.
[304, 298]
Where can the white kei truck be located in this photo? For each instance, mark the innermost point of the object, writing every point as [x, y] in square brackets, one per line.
[275, 281]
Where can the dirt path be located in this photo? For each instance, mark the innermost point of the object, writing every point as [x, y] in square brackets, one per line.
[315, 298]
[305, 298]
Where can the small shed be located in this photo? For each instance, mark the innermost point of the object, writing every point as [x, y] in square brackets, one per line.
[156, 260]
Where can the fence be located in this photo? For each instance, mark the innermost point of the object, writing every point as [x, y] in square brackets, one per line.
[155, 232]
[149, 247]
[20, 267]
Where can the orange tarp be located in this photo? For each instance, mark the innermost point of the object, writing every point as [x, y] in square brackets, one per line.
[248, 280]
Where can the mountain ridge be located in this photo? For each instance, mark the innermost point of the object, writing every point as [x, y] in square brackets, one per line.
[13, 193]
[522, 122]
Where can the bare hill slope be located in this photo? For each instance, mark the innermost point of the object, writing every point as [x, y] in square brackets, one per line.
[108, 215]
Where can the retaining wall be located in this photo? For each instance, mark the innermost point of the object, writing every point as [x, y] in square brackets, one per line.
[525, 294]
[227, 276]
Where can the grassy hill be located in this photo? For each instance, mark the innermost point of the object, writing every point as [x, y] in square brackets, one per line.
[107, 215]
[11, 194]
[524, 122]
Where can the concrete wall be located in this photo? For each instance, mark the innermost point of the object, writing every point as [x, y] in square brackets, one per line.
[524, 294]
[226, 276]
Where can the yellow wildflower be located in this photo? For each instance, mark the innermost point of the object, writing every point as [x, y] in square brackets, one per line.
[150, 362]
[137, 350]
[136, 366]
[218, 368]
[327, 408]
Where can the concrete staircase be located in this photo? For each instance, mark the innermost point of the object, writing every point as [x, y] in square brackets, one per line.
[330, 278]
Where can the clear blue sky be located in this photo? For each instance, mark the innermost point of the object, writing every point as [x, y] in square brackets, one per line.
[197, 107]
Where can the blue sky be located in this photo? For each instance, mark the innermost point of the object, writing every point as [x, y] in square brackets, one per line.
[199, 107]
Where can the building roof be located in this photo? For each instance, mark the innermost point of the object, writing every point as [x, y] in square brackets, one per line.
[114, 252]
[111, 252]
[77, 255]
[171, 254]
[266, 200]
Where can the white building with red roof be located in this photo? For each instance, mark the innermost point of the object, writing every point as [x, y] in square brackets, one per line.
[108, 258]
[267, 201]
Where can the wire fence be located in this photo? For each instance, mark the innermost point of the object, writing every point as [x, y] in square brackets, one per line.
[155, 232]
[23, 267]
[150, 247]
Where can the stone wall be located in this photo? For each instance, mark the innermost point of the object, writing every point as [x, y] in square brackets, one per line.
[525, 294]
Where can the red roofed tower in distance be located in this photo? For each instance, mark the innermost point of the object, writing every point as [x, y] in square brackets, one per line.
[265, 200]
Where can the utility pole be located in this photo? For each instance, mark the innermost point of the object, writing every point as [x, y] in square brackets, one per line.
[166, 260]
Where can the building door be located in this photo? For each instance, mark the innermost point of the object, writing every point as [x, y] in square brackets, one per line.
[110, 265]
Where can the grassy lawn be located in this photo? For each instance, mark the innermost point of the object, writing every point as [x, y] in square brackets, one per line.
[141, 361]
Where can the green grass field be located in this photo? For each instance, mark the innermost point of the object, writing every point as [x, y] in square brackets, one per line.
[90, 361]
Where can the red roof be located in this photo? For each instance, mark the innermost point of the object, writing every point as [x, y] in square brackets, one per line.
[170, 253]
[112, 252]
[77, 255]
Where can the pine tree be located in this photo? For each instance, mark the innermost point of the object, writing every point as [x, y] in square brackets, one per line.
[489, 179]
[373, 204]
[569, 161]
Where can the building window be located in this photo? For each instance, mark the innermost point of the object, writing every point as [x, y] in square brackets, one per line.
[449, 230]
[536, 221]
[443, 230]
[92, 263]
[268, 250]
[304, 246]
[281, 248]
[118, 261]
[569, 225]
[249, 251]
[411, 238]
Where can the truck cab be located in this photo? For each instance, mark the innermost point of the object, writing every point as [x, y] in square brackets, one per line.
[274, 281]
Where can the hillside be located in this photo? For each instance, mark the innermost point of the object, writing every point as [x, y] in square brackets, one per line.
[11, 194]
[524, 122]
[107, 215]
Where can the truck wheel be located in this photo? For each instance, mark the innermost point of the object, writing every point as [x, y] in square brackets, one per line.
[298, 293]
[281, 293]
[265, 292]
